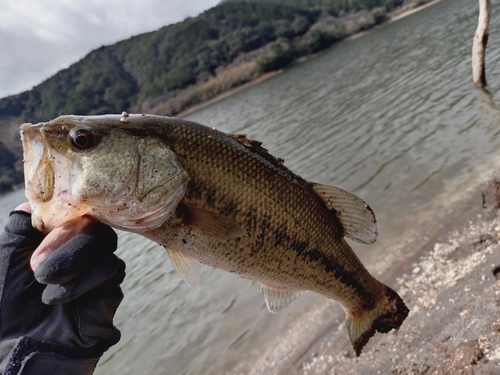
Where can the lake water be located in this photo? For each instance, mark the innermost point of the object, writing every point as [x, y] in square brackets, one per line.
[391, 116]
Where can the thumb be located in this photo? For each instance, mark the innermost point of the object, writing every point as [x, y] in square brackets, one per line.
[26, 207]
[59, 236]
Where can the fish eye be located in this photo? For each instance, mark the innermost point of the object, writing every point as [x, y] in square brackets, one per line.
[83, 139]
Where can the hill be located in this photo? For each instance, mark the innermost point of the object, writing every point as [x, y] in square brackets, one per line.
[336, 5]
[177, 66]
[148, 68]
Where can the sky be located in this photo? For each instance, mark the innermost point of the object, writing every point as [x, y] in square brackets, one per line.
[40, 37]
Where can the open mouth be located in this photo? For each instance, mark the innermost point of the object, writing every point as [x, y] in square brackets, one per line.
[47, 180]
[38, 169]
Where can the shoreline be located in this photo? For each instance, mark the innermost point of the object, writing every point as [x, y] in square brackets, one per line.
[225, 94]
[393, 16]
[452, 287]
[447, 272]
[414, 10]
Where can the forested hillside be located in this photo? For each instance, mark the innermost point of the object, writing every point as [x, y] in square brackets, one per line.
[329, 5]
[138, 73]
[152, 67]
[177, 66]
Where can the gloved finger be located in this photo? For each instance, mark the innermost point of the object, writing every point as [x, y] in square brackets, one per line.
[58, 237]
[20, 296]
[19, 231]
[77, 255]
[96, 310]
[85, 282]
[110, 289]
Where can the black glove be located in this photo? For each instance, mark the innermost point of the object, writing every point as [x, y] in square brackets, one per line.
[69, 331]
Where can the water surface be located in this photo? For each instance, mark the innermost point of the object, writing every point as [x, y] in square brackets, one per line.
[392, 116]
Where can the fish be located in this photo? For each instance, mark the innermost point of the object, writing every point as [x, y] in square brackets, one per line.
[209, 197]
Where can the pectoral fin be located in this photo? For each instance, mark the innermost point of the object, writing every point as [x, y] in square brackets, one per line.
[277, 298]
[188, 268]
[209, 222]
[356, 217]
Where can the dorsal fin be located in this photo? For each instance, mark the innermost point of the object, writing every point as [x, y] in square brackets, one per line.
[277, 298]
[356, 217]
[256, 147]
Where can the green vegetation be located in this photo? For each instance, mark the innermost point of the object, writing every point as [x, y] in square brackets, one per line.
[331, 6]
[198, 93]
[142, 72]
[139, 73]
[180, 65]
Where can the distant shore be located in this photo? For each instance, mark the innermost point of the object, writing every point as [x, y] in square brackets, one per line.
[407, 12]
[227, 93]
[393, 16]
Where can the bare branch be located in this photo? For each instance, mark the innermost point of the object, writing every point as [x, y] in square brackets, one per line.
[479, 46]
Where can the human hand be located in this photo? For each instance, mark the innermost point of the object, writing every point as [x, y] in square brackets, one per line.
[59, 318]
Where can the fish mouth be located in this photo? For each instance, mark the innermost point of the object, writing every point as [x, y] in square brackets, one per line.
[47, 182]
[32, 139]
[38, 172]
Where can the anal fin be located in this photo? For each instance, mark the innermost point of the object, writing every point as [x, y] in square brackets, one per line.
[188, 268]
[277, 298]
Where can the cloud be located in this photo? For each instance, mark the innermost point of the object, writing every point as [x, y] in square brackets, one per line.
[40, 37]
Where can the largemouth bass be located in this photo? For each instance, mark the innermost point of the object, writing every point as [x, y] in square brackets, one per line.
[213, 198]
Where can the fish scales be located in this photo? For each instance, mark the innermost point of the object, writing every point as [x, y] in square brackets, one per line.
[276, 208]
[213, 198]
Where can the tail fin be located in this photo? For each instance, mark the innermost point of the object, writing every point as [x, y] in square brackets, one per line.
[388, 313]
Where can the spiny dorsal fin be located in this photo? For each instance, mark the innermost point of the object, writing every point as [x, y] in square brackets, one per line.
[209, 222]
[244, 140]
[256, 147]
[276, 298]
[356, 217]
[188, 268]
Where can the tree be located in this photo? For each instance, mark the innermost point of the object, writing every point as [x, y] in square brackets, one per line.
[279, 54]
[479, 46]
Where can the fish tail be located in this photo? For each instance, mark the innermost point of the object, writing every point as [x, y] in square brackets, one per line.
[388, 313]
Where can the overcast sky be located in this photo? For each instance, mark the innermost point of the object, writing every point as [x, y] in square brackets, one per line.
[40, 37]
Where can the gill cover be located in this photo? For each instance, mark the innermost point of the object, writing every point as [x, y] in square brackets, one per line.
[128, 181]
